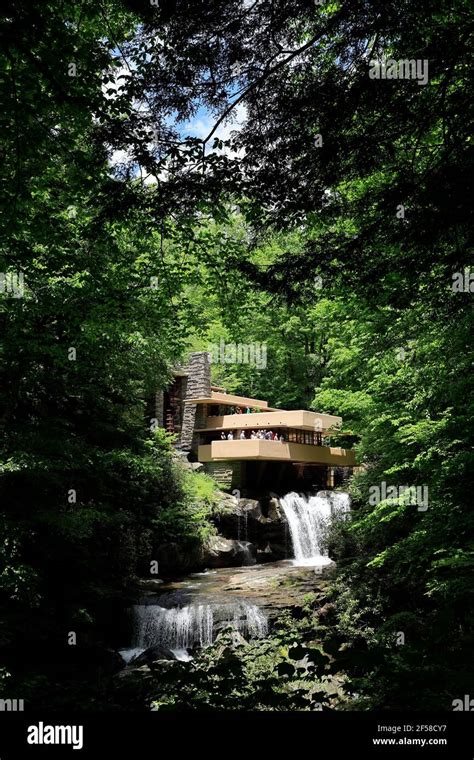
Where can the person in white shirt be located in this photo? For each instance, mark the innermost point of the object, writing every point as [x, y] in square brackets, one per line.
[242, 435]
[230, 436]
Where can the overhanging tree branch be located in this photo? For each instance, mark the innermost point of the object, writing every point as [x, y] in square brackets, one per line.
[266, 74]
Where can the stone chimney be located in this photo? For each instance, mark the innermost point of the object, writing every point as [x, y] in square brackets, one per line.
[198, 385]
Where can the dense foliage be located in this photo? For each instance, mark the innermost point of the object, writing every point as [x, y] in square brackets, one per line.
[329, 228]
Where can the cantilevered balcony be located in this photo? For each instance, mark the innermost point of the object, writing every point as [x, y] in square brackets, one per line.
[276, 451]
[277, 418]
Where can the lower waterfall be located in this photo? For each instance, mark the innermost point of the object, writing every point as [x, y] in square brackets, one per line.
[308, 520]
[194, 625]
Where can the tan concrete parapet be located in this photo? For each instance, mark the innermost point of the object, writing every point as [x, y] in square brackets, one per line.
[279, 418]
[276, 451]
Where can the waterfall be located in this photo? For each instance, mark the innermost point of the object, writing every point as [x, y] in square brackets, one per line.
[340, 502]
[182, 628]
[248, 558]
[308, 519]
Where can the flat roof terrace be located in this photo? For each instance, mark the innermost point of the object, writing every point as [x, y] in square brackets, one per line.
[277, 418]
[227, 399]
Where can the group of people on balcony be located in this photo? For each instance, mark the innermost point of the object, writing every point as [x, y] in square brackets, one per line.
[242, 410]
[218, 410]
[262, 435]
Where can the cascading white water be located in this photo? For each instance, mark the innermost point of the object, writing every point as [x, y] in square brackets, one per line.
[248, 557]
[308, 519]
[182, 628]
[340, 503]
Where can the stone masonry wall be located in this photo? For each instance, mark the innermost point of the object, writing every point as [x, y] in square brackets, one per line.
[226, 474]
[159, 411]
[198, 385]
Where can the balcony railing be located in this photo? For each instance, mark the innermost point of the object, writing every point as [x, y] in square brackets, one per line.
[290, 435]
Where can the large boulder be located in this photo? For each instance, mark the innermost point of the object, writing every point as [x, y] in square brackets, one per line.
[262, 522]
[227, 552]
[250, 509]
[217, 552]
[227, 502]
[275, 513]
[239, 518]
[274, 530]
[152, 654]
[175, 559]
[272, 552]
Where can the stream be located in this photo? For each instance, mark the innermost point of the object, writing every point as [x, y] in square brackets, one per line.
[188, 614]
